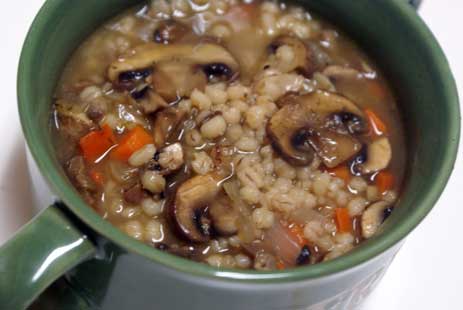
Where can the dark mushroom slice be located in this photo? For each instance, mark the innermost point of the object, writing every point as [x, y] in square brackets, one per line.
[175, 80]
[373, 217]
[301, 58]
[334, 148]
[166, 124]
[353, 83]
[151, 54]
[379, 154]
[189, 207]
[169, 31]
[321, 122]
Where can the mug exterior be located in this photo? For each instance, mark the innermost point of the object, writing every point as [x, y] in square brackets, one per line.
[125, 274]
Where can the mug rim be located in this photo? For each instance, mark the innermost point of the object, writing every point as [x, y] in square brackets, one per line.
[347, 261]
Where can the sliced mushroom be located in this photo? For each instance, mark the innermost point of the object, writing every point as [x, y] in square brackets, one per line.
[298, 57]
[379, 155]
[166, 124]
[169, 31]
[205, 56]
[322, 122]
[224, 217]
[334, 148]
[152, 103]
[354, 83]
[373, 217]
[335, 72]
[189, 207]
[175, 80]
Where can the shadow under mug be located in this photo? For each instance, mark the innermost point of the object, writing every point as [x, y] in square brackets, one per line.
[109, 270]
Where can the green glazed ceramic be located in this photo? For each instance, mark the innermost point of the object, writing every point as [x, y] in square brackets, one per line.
[121, 273]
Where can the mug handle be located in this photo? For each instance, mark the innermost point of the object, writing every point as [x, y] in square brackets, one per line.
[41, 252]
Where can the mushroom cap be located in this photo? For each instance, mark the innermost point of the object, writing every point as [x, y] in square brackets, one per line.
[150, 54]
[190, 202]
[320, 122]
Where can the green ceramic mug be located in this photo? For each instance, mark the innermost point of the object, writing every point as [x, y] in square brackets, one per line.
[108, 270]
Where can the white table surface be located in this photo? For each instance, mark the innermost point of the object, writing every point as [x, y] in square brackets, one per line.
[427, 273]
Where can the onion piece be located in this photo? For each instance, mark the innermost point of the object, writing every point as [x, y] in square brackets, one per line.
[282, 244]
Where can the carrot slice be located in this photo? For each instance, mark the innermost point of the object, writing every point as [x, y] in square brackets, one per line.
[343, 220]
[97, 177]
[341, 172]
[384, 181]
[131, 142]
[297, 233]
[96, 143]
[376, 124]
[280, 265]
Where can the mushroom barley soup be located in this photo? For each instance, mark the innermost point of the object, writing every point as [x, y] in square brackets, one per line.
[243, 135]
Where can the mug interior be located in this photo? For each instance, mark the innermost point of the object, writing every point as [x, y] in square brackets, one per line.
[391, 33]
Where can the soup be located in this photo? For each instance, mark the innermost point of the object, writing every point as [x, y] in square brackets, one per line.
[247, 135]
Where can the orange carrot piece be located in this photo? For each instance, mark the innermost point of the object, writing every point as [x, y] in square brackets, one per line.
[341, 172]
[384, 181]
[343, 220]
[131, 142]
[97, 177]
[376, 124]
[280, 265]
[96, 143]
[297, 232]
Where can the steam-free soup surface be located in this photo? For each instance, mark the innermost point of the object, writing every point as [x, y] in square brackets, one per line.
[238, 134]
